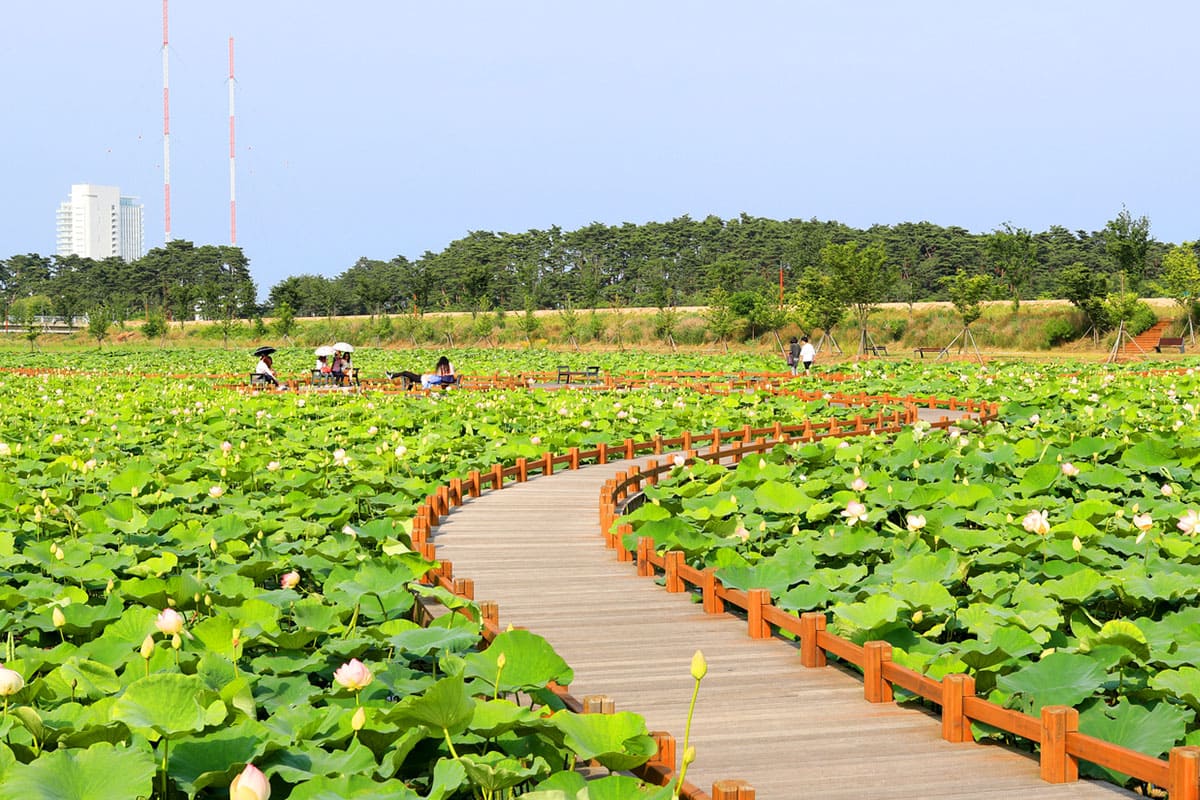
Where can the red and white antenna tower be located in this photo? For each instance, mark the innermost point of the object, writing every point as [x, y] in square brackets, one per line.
[232, 169]
[166, 133]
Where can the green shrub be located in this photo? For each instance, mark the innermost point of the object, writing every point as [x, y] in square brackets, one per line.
[1057, 331]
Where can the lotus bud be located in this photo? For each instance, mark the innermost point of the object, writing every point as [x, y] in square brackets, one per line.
[196, 598]
[147, 647]
[501, 660]
[208, 601]
[699, 666]
[359, 719]
[236, 637]
[176, 641]
[1076, 544]
[289, 580]
[250, 784]
[689, 755]
[918, 616]
[11, 682]
[57, 617]
[108, 587]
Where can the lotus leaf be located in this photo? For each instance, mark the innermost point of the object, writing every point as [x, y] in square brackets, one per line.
[530, 663]
[618, 741]
[167, 704]
[215, 759]
[352, 787]
[1152, 730]
[445, 706]
[1057, 679]
[1119, 633]
[302, 763]
[100, 772]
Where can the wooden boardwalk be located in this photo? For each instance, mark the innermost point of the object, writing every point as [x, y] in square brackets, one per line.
[791, 732]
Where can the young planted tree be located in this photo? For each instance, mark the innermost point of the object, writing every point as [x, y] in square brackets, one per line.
[720, 316]
[967, 293]
[1085, 289]
[99, 321]
[1127, 242]
[570, 323]
[1181, 279]
[530, 324]
[819, 303]
[1013, 253]
[864, 278]
[285, 321]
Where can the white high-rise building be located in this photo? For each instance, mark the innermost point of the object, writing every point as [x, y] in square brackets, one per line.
[98, 223]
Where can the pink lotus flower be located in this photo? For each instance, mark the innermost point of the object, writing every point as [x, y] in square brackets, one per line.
[169, 622]
[1036, 522]
[250, 784]
[1069, 469]
[289, 580]
[915, 522]
[1143, 522]
[855, 512]
[1189, 523]
[859, 485]
[353, 675]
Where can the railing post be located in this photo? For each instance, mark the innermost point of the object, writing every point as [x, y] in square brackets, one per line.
[732, 790]
[522, 469]
[623, 553]
[1185, 773]
[464, 587]
[651, 472]
[629, 448]
[665, 755]
[756, 601]
[602, 453]
[548, 463]
[687, 440]
[497, 476]
[658, 444]
[598, 704]
[955, 725]
[489, 613]
[645, 547]
[811, 653]
[474, 483]
[875, 688]
[716, 440]
[672, 561]
[708, 585]
[456, 491]
[1056, 765]
[574, 453]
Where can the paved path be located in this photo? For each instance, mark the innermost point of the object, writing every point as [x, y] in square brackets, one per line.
[792, 732]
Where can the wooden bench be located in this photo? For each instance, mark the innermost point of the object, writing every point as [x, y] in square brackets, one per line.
[1169, 341]
[322, 378]
[876, 349]
[258, 379]
[566, 374]
[921, 351]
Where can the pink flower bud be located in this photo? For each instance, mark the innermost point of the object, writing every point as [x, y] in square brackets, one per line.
[250, 784]
[169, 622]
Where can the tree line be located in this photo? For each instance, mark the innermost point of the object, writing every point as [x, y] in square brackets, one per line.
[739, 261]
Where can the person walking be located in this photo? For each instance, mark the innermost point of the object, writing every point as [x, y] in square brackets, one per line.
[807, 354]
[793, 354]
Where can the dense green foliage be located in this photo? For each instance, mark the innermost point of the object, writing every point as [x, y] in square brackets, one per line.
[655, 264]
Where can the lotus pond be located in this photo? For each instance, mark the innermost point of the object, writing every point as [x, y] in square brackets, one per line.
[1052, 554]
[274, 528]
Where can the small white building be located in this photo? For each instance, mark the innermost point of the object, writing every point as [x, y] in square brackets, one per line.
[97, 222]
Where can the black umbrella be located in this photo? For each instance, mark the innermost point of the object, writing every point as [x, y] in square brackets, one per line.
[265, 350]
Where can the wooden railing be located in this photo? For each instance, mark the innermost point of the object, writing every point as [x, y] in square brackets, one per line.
[891, 413]
[1056, 731]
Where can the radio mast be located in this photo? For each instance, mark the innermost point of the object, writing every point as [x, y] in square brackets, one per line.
[232, 158]
[166, 133]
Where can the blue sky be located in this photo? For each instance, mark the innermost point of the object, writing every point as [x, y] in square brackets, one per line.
[376, 129]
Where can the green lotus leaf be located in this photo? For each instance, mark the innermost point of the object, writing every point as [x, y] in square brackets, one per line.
[446, 705]
[1149, 455]
[83, 678]
[873, 613]
[805, 597]
[1119, 633]
[216, 758]
[935, 567]
[494, 771]
[773, 576]
[1150, 730]
[307, 760]
[100, 772]
[932, 597]
[352, 787]
[1064, 679]
[779, 497]
[423, 641]
[530, 663]
[1004, 643]
[1161, 586]
[167, 704]
[1182, 684]
[1038, 478]
[618, 741]
[1078, 586]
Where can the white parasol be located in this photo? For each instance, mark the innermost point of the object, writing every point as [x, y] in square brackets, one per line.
[324, 350]
[342, 347]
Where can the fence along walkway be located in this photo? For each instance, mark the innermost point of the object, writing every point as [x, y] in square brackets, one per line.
[790, 732]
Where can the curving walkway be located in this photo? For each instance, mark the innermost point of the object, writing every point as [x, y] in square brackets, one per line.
[790, 732]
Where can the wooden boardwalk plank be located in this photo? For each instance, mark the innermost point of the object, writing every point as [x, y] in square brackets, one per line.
[792, 732]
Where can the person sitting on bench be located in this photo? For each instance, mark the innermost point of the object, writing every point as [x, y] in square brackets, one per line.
[442, 375]
[264, 373]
